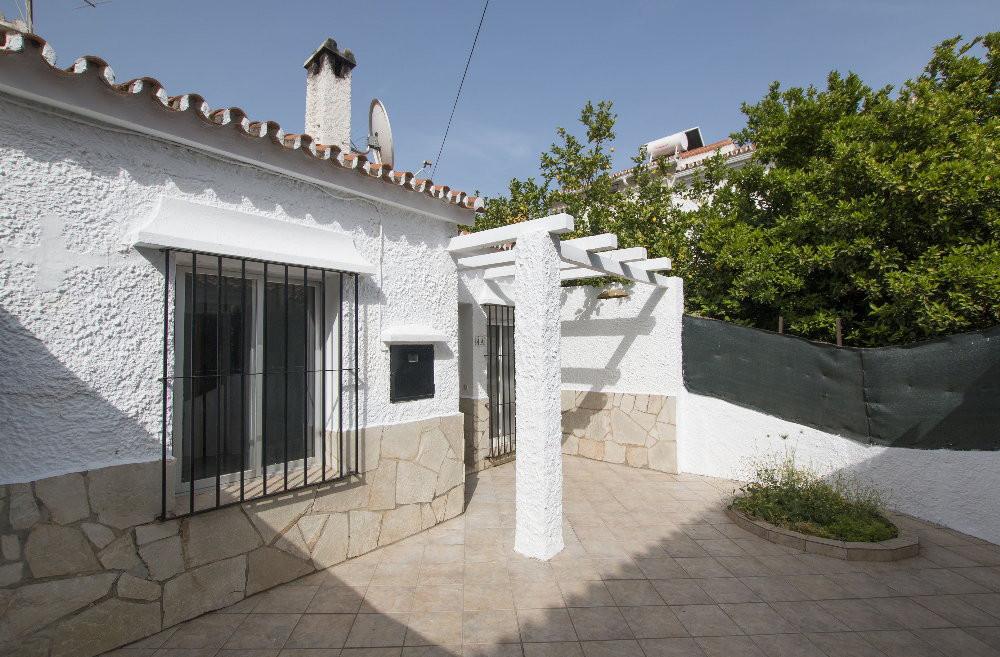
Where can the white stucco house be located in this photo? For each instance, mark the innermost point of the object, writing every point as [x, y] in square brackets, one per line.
[232, 356]
[198, 310]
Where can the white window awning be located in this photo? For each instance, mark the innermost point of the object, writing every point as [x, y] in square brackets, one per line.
[187, 226]
[412, 334]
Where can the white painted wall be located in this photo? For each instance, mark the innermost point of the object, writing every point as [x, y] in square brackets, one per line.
[623, 345]
[607, 345]
[81, 312]
[956, 489]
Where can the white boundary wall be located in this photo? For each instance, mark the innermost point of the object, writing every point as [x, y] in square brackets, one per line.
[958, 489]
[628, 345]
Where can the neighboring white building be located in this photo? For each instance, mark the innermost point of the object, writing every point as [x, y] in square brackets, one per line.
[688, 152]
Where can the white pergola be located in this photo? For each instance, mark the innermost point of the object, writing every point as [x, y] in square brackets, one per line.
[538, 262]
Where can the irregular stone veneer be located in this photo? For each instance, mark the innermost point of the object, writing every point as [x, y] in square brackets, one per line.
[637, 430]
[85, 567]
[477, 433]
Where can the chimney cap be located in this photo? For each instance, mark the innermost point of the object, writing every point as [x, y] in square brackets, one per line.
[341, 57]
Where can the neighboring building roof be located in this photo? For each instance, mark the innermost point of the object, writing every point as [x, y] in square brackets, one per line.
[728, 147]
[232, 124]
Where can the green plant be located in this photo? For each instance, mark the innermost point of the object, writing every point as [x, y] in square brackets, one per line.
[837, 507]
[878, 206]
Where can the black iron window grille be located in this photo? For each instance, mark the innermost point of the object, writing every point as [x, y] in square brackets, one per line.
[260, 379]
[500, 379]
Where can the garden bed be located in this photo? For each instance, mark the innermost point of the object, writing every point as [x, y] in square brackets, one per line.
[902, 546]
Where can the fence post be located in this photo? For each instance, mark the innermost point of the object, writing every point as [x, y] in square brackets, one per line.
[781, 324]
[840, 333]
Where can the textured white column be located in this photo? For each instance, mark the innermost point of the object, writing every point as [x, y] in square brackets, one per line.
[538, 522]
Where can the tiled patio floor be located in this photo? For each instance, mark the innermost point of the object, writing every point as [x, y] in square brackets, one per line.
[652, 568]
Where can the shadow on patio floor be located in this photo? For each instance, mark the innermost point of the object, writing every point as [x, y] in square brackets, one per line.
[652, 568]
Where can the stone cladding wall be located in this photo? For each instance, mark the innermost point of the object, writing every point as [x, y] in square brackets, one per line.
[477, 433]
[637, 430]
[86, 567]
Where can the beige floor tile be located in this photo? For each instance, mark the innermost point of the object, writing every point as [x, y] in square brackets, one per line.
[757, 618]
[440, 574]
[955, 642]
[487, 596]
[321, 631]
[653, 622]
[434, 628]
[787, 645]
[706, 620]
[492, 650]
[585, 593]
[773, 588]
[545, 625]
[844, 644]
[673, 647]
[530, 594]
[379, 599]
[209, 631]
[729, 646]
[809, 616]
[728, 590]
[286, 600]
[377, 630]
[372, 652]
[660, 568]
[490, 626]
[900, 643]
[988, 602]
[437, 598]
[703, 567]
[907, 613]
[263, 631]
[620, 648]
[599, 623]
[310, 652]
[858, 615]
[684, 591]
[335, 600]
[633, 592]
[957, 611]
[554, 649]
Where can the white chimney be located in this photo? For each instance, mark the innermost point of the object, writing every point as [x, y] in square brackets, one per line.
[328, 95]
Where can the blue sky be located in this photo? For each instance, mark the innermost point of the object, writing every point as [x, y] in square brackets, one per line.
[666, 65]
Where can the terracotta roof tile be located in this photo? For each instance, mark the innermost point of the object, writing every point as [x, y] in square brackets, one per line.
[716, 145]
[14, 42]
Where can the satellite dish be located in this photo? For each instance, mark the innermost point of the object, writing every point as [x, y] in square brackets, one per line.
[380, 133]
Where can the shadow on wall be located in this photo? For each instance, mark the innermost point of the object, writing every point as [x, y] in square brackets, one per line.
[40, 398]
[585, 324]
[651, 566]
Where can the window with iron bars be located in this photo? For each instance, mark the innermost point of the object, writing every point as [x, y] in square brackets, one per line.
[260, 379]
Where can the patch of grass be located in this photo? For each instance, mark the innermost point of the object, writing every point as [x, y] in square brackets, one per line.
[838, 507]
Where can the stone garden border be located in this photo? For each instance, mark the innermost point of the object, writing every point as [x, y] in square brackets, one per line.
[904, 546]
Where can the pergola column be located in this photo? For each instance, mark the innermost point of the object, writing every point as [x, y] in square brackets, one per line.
[538, 514]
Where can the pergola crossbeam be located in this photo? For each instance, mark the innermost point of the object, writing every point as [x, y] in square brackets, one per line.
[603, 242]
[636, 253]
[654, 264]
[611, 266]
[556, 224]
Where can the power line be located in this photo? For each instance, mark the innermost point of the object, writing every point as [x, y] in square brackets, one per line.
[468, 61]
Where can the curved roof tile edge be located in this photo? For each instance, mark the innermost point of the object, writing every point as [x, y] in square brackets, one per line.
[14, 41]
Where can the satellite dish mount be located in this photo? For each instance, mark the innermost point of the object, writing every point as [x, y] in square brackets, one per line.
[380, 143]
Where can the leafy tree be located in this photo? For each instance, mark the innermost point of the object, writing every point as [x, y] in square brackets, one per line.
[878, 207]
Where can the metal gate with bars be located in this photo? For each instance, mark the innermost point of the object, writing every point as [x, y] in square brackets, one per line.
[500, 373]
